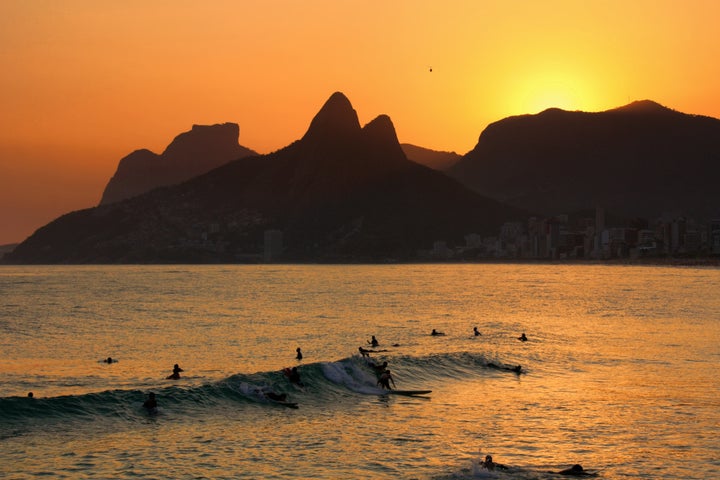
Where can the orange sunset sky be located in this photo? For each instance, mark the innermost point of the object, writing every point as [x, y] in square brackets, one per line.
[85, 82]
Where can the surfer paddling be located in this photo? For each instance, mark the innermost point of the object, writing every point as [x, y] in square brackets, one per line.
[373, 342]
[576, 471]
[489, 464]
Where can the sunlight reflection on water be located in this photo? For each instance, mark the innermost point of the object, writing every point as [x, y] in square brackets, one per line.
[620, 368]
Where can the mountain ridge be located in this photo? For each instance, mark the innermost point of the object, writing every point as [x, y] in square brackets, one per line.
[341, 193]
[191, 153]
[638, 160]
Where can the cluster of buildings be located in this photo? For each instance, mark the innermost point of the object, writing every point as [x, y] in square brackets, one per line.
[588, 238]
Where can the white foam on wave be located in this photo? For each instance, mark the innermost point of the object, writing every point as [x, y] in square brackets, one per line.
[351, 376]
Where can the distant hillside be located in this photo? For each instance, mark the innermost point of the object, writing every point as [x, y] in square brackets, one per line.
[341, 193]
[7, 248]
[639, 160]
[192, 153]
[434, 159]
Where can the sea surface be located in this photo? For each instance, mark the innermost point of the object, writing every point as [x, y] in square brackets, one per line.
[619, 373]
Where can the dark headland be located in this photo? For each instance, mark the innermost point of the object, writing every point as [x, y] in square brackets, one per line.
[633, 182]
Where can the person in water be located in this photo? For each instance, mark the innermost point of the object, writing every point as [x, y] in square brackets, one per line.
[476, 332]
[490, 465]
[385, 379]
[379, 369]
[176, 372]
[522, 337]
[278, 397]
[108, 360]
[435, 333]
[577, 471]
[373, 341]
[151, 402]
[363, 352]
[515, 369]
[30, 395]
[299, 353]
[294, 376]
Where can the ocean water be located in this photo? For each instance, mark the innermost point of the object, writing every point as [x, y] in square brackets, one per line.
[620, 372]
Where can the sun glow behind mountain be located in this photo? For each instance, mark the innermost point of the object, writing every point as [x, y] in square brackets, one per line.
[104, 78]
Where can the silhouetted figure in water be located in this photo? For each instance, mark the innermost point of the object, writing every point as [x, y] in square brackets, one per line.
[278, 397]
[379, 369]
[385, 379]
[516, 369]
[299, 354]
[373, 341]
[108, 360]
[30, 395]
[576, 471]
[176, 373]
[476, 332]
[490, 465]
[150, 403]
[363, 352]
[435, 333]
[293, 375]
[522, 337]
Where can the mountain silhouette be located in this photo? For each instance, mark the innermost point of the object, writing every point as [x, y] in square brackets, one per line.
[190, 154]
[434, 159]
[640, 160]
[341, 193]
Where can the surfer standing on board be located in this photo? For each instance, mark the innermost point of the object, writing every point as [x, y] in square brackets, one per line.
[385, 379]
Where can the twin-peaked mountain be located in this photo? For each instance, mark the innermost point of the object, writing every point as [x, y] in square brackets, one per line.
[341, 193]
[640, 160]
[190, 154]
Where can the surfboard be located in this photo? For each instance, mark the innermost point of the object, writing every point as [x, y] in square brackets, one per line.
[409, 392]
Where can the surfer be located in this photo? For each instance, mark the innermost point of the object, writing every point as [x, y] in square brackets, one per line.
[176, 372]
[364, 352]
[373, 342]
[108, 360]
[490, 465]
[278, 397]
[379, 368]
[299, 353]
[577, 471]
[30, 395]
[293, 375]
[476, 332]
[150, 403]
[522, 337]
[385, 379]
[516, 369]
[435, 333]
